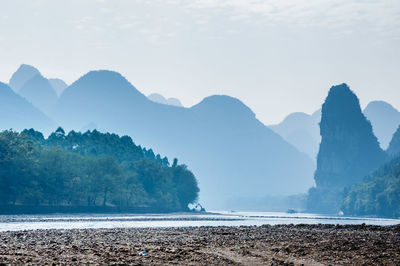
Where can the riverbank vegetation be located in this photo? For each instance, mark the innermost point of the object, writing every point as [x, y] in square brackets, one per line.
[89, 169]
[378, 194]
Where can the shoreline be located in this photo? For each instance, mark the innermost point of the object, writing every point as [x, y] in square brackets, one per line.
[279, 244]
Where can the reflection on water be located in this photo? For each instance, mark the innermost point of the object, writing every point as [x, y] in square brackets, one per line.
[218, 218]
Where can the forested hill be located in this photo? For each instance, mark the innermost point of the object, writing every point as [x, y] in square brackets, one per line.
[378, 194]
[89, 170]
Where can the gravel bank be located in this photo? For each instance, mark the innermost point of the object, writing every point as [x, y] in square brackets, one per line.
[265, 245]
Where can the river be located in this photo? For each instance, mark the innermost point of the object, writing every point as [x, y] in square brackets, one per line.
[217, 218]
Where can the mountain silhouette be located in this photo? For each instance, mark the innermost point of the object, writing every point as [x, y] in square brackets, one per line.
[19, 114]
[384, 118]
[158, 98]
[302, 131]
[228, 149]
[22, 75]
[40, 93]
[348, 151]
[58, 85]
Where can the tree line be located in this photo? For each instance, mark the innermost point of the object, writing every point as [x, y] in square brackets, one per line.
[89, 169]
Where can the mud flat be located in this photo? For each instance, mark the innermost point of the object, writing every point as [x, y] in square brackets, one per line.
[263, 245]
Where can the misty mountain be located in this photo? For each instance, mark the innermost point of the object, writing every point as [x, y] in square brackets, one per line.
[394, 146]
[348, 151]
[385, 120]
[230, 151]
[19, 114]
[302, 131]
[22, 75]
[58, 85]
[40, 93]
[158, 98]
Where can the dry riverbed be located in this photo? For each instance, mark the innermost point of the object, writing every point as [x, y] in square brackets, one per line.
[264, 245]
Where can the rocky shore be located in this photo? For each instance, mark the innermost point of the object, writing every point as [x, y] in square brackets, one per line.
[264, 245]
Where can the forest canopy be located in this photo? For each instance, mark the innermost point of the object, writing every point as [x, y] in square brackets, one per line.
[378, 194]
[90, 169]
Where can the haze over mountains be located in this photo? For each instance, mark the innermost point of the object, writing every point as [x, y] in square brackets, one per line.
[40, 91]
[58, 85]
[231, 152]
[220, 139]
[22, 75]
[302, 130]
[158, 98]
[385, 120]
[234, 156]
[18, 113]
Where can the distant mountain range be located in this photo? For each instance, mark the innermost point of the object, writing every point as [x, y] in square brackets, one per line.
[385, 120]
[302, 130]
[158, 98]
[40, 91]
[22, 75]
[232, 153]
[18, 113]
[228, 149]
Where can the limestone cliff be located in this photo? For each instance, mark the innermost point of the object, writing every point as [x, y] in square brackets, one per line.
[348, 151]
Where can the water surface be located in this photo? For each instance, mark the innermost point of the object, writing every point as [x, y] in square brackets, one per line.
[217, 218]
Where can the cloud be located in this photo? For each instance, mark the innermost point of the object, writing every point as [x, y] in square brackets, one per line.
[379, 16]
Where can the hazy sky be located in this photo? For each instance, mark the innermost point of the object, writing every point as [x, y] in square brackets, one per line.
[277, 56]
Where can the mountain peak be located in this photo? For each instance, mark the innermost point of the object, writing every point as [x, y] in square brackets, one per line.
[105, 84]
[348, 150]
[158, 98]
[103, 91]
[385, 120]
[343, 105]
[23, 74]
[296, 117]
[301, 130]
[40, 93]
[103, 73]
[224, 105]
[343, 91]
[382, 105]
[28, 68]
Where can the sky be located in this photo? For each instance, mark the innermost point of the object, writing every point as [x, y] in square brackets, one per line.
[277, 56]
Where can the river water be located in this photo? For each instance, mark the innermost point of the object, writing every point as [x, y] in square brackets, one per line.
[217, 218]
